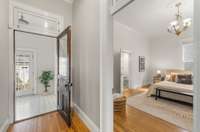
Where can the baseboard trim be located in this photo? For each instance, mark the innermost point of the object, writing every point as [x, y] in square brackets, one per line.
[89, 123]
[5, 126]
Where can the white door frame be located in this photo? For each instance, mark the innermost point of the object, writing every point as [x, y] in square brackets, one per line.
[106, 66]
[196, 101]
[106, 10]
[105, 20]
[34, 66]
[12, 29]
[122, 75]
[117, 5]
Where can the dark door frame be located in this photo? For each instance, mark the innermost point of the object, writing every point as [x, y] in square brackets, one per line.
[67, 117]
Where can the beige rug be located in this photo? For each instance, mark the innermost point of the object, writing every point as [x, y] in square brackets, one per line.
[175, 113]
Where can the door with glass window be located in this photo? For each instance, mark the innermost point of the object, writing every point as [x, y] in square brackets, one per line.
[64, 75]
[24, 72]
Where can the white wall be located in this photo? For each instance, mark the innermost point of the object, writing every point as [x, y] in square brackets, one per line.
[166, 53]
[59, 7]
[160, 53]
[45, 48]
[86, 58]
[4, 59]
[93, 62]
[126, 38]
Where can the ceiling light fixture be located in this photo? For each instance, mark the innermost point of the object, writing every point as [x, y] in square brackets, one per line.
[179, 25]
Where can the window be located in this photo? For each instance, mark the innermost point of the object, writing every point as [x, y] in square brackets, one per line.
[188, 56]
[188, 53]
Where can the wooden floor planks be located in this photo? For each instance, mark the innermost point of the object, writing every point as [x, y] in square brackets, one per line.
[52, 122]
[134, 120]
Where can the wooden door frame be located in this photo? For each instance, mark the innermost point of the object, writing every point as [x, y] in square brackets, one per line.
[67, 32]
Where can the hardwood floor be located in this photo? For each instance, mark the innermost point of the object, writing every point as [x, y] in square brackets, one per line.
[52, 122]
[134, 120]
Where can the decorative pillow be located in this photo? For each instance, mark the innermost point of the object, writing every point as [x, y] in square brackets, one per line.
[184, 79]
[162, 78]
[168, 77]
[173, 77]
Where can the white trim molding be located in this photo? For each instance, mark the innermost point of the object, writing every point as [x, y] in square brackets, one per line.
[196, 101]
[89, 123]
[34, 14]
[117, 5]
[106, 66]
[5, 125]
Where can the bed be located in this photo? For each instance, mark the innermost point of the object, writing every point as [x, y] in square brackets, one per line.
[172, 91]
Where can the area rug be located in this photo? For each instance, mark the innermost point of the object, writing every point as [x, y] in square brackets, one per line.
[175, 113]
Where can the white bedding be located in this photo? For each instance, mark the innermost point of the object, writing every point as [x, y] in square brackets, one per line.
[172, 86]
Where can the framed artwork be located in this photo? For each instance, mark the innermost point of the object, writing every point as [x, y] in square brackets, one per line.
[141, 64]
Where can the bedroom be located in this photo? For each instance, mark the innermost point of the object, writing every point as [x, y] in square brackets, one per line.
[147, 55]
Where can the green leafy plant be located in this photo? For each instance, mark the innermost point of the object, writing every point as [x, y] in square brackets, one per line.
[45, 79]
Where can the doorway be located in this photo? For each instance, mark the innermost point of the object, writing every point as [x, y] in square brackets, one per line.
[153, 62]
[39, 58]
[125, 70]
[35, 63]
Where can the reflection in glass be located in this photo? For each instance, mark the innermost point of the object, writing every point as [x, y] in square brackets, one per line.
[24, 69]
[63, 61]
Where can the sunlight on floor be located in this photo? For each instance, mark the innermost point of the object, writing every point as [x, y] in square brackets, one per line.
[29, 106]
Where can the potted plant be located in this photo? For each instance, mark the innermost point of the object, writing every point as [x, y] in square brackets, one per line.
[45, 79]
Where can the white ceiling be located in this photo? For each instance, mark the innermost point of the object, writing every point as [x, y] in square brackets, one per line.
[152, 17]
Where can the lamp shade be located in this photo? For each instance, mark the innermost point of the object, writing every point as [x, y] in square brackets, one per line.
[158, 72]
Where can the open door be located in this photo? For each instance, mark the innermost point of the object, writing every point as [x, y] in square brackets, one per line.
[64, 75]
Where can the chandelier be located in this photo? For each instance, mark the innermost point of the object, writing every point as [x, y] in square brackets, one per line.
[179, 25]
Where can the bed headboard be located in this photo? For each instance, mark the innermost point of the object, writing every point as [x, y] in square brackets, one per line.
[177, 71]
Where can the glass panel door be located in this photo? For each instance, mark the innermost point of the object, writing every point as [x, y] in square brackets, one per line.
[64, 75]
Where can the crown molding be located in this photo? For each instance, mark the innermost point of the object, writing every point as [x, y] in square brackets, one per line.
[69, 1]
